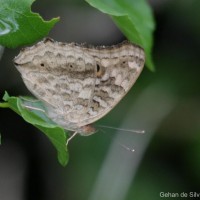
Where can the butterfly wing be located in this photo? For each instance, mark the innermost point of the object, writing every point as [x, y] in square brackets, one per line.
[118, 67]
[60, 75]
[78, 84]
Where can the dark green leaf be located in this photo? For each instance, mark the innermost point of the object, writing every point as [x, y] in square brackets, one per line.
[134, 18]
[19, 26]
[32, 112]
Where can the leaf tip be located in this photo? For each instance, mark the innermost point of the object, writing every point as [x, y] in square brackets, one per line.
[6, 96]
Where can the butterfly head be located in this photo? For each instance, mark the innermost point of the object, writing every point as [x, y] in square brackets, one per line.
[87, 130]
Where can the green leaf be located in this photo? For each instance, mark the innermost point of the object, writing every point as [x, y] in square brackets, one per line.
[19, 26]
[32, 112]
[135, 20]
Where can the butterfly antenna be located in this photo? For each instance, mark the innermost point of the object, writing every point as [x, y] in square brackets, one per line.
[121, 129]
[122, 145]
[72, 136]
[127, 148]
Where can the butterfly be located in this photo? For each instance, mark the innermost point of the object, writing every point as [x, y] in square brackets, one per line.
[79, 84]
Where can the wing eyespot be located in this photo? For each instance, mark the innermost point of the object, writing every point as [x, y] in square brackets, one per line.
[100, 70]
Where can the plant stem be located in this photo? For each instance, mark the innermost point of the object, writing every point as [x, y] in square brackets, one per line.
[4, 105]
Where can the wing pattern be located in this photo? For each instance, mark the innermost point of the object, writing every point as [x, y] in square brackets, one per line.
[79, 84]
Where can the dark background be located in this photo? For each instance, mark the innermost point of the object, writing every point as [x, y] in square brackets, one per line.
[164, 103]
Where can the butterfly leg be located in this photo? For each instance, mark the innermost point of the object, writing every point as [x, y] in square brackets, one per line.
[34, 108]
[32, 100]
[72, 136]
[26, 102]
